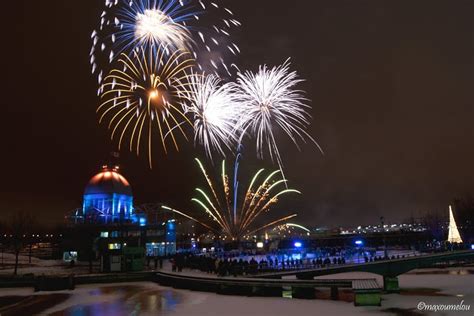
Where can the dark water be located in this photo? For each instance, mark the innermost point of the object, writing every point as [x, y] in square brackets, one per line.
[103, 300]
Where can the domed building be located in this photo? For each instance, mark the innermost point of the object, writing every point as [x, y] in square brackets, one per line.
[121, 234]
[108, 197]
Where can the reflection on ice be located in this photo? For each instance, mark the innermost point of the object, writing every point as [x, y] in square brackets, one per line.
[124, 300]
[114, 299]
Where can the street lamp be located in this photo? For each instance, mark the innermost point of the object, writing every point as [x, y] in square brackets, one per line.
[359, 243]
[383, 237]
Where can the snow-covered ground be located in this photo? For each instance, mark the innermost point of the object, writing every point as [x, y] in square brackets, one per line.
[40, 266]
[433, 286]
[47, 267]
[9, 259]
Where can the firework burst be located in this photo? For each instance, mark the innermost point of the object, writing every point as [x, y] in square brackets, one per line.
[231, 218]
[271, 102]
[141, 97]
[202, 27]
[215, 112]
[154, 26]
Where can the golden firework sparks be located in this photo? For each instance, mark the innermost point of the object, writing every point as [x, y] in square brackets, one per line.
[140, 97]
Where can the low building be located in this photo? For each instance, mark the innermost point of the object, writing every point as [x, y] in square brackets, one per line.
[110, 228]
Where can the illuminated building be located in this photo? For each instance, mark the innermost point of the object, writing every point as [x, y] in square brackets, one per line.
[120, 233]
[108, 198]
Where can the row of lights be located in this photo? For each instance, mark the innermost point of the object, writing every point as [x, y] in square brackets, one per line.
[163, 243]
[33, 235]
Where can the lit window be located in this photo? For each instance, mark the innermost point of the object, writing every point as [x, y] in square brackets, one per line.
[104, 234]
[114, 246]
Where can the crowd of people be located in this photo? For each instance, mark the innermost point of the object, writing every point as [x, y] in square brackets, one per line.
[157, 261]
[249, 263]
[232, 265]
[380, 258]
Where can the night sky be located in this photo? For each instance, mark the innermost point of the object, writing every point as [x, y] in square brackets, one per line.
[391, 84]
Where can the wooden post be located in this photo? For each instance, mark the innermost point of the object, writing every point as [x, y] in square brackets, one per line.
[334, 293]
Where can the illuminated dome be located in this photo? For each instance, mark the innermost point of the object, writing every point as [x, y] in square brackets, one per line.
[108, 197]
[108, 181]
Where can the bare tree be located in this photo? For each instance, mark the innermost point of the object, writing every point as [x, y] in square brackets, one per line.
[2, 229]
[21, 226]
[435, 221]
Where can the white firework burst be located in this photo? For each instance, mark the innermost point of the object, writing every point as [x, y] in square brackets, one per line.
[271, 101]
[215, 111]
[202, 27]
[154, 27]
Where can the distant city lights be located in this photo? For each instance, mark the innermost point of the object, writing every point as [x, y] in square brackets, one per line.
[418, 227]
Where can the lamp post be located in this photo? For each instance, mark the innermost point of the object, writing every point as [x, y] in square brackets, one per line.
[383, 238]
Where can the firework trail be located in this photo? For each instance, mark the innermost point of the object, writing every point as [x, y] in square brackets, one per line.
[236, 220]
[286, 226]
[271, 102]
[141, 97]
[202, 27]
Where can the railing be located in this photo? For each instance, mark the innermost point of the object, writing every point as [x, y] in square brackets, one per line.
[268, 268]
[385, 260]
[186, 281]
[267, 287]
